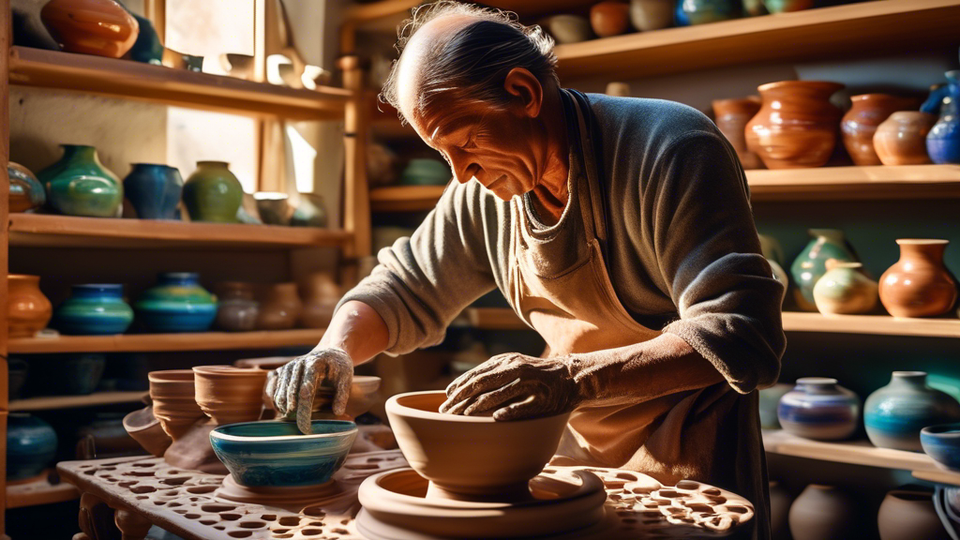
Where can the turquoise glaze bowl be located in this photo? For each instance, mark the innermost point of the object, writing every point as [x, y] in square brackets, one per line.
[177, 304]
[94, 310]
[895, 414]
[942, 443]
[276, 453]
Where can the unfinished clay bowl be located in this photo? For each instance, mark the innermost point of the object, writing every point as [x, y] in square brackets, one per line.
[363, 394]
[229, 394]
[172, 392]
[145, 428]
[471, 456]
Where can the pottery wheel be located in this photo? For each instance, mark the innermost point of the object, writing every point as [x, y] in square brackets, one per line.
[295, 499]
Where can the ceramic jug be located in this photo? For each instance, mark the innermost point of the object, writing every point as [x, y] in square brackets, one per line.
[97, 27]
[31, 446]
[825, 513]
[819, 408]
[79, 185]
[94, 309]
[918, 285]
[649, 15]
[845, 289]
[213, 193]
[280, 307]
[810, 265]
[153, 190]
[237, 310]
[610, 18]
[902, 138]
[860, 123]
[177, 303]
[943, 141]
[732, 116]
[909, 514]
[26, 192]
[895, 414]
[28, 311]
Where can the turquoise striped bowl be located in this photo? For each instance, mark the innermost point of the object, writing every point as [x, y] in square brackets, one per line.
[276, 454]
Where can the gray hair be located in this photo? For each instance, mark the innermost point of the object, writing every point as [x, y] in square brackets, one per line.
[474, 61]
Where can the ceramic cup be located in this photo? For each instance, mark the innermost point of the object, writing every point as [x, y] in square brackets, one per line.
[942, 443]
[228, 394]
[174, 403]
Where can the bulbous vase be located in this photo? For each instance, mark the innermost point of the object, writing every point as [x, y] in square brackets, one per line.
[732, 116]
[610, 18]
[811, 264]
[31, 446]
[237, 310]
[280, 307]
[26, 192]
[97, 27]
[819, 408]
[649, 15]
[153, 190]
[94, 309]
[918, 285]
[213, 193]
[79, 185]
[860, 123]
[28, 310]
[895, 414]
[902, 138]
[845, 289]
[824, 513]
[907, 514]
[943, 141]
[177, 304]
[708, 11]
[785, 6]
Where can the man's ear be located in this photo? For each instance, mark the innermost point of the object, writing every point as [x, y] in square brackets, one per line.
[527, 89]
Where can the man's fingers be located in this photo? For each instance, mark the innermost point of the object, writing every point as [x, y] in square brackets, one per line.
[294, 381]
[482, 383]
[528, 408]
[341, 371]
[492, 400]
[280, 390]
[485, 367]
[308, 391]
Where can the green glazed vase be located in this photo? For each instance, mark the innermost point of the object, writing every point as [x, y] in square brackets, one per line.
[79, 185]
[177, 304]
[810, 265]
[96, 309]
[213, 193]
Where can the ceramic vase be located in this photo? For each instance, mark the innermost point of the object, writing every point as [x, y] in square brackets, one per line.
[237, 310]
[79, 185]
[97, 27]
[311, 211]
[796, 126]
[26, 192]
[28, 310]
[153, 190]
[94, 309]
[902, 138]
[274, 208]
[177, 303]
[213, 193]
[932, 104]
[824, 513]
[860, 123]
[680, 16]
[320, 296]
[819, 408]
[732, 116]
[425, 172]
[230, 395]
[610, 18]
[174, 402]
[78, 374]
[708, 11]
[780, 501]
[147, 48]
[895, 414]
[909, 515]
[769, 402]
[918, 285]
[753, 8]
[943, 141]
[31, 446]
[17, 371]
[784, 6]
[280, 307]
[810, 265]
[649, 15]
[845, 289]
[568, 28]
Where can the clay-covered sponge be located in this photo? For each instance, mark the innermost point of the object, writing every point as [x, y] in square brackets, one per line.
[942, 443]
[276, 454]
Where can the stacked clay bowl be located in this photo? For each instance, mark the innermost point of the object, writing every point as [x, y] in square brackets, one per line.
[174, 405]
[363, 394]
[228, 394]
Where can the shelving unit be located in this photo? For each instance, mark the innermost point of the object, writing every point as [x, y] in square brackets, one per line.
[45, 403]
[204, 341]
[39, 491]
[405, 198]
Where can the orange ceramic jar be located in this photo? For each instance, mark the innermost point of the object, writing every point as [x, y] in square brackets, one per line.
[29, 310]
[97, 27]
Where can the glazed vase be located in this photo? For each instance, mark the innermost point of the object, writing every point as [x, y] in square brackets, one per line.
[174, 402]
[311, 211]
[824, 513]
[94, 309]
[77, 375]
[860, 123]
[932, 104]
[771, 249]
[28, 310]
[79, 185]
[148, 48]
[610, 18]
[780, 501]
[769, 402]
[909, 515]
[213, 193]
[902, 138]
[753, 8]
[796, 126]
[97, 27]
[177, 303]
[810, 265]
[732, 116]
[230, 395]
[649, 15]
[568, 28]
[784, 6]
[153, 190]
[819, 408]
[845, 289]
[680, 16]
[708, 11]
[31, 446]
[237, 309]
[280, 307]
[943, 141]
[26, 192]
[320, 296]
[918, 285]
[274, 208]
[895, 414]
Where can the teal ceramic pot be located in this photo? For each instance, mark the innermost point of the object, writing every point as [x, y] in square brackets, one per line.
[783, 6]
[79, 185]
[177, 304]
[31, 446]
[771, 249]
[213, 193]
[277, 454]
[819, 408]
[94, 309]
[895, 414]
[942, 443]
[943, 140]
[26, 192]
[77, 374]
[425, 172]
[810, 265]
[708, 11]
[153, 190]
[769, 401]
[147, 48]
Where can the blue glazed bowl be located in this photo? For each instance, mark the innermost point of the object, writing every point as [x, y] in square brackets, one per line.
[276, 453]
[942, 443]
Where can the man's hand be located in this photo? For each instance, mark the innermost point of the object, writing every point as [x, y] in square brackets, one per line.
[516, 386]
[293, 386]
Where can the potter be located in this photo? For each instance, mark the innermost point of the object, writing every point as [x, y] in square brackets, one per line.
[618, 228]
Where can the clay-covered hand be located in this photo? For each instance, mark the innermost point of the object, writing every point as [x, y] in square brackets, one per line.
[293, 386]
[515, 386]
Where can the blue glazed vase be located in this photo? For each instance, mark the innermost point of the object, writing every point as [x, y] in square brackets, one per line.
[895, 414]
[708, 11]
[177, 304]
[94, 309]
[943, 141]
[942, 443]
[26, 192]
[819, 408]
[153, 190]
[79, 185]
[148, 48]
[811, 264]
[31, 446]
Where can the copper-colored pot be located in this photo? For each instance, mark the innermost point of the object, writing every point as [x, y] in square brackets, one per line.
[861, 121]
[918, 285]
[902, 138]
[28, 310]
[228, 394]
[97, 27]
[610, 18]
[280, 307]
[174, 404]
[732, 116]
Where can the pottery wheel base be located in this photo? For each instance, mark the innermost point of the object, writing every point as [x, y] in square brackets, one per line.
[293, 499]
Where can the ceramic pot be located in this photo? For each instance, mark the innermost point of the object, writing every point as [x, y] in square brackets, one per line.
[31, 446]
[935, 99]
[425, 172]
[845, 289]
[26, 192]
[909, 515]
[610, 18]
[819, 408]
[174, 404]
[79, 185]
[213, 193]
[771, 249]
[280, 307]
[144, 427]
[769, 402]
[237, 310]
[568, 28]
[320, 296]
[78, 374]
[942, 443]
[943, 141]
[732, 116]
[860, 123]
[153, 190]
[97, 27]
[230, 395]
[811, 264]
[649, 15]
[17, 371]
[824, 513]
[796, 126]
[680, 16]
[708, 11]
[902, 138]
[94, 309]
[753, 8]
[918, 285]
[311, 211]
[177, 303]
[783, 6]
[274, 208]
[28, 310]
[780, 501]
[895, 414]
[147, 48]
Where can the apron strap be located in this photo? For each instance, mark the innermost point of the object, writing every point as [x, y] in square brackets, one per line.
[591, 149]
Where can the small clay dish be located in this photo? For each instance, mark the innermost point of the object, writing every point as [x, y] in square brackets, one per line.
[146, 430]
[942, 443]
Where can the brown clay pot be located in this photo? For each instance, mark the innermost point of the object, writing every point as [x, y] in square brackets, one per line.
[237, 310]
[228, 394]
[780, 501]
[172, 392]
[902, 138]
[860, 123]
[732, 116]
[910, 515]
[280, 307]
[97, 27]
[824, 513]
[796, 126]
[918, 285]
[320, 296]
[610, 18]
[145, 428]
[28, 310]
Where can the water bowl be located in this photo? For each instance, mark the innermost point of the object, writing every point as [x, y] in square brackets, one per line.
[942, 443]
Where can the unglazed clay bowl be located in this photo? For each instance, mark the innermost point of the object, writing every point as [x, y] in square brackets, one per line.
[277, 454]
[471, 456]
[942, 443]
[145, 428]
[228, 394]
[363, 393]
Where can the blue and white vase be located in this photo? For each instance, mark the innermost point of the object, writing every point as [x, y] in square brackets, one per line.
[943, 140]
[895, 414]
[819, 408]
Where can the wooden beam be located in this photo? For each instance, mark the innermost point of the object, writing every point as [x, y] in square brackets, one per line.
[6, 35]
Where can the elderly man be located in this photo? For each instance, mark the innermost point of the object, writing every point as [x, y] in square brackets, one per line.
[619, 229]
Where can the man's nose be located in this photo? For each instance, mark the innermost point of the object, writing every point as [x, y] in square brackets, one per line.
[464, 168]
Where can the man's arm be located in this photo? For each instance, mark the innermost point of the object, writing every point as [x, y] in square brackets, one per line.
[358, 330]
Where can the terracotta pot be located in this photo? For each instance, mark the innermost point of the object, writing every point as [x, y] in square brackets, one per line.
[910, 515]
[172, 392]
[824, 513]
[320, 296]
[145, 428]
[237, 309]
[732, 116]
[28, 310]
[228, 394]
[97, 27]
[796, 126]
[610, 18]
[26, 191]
[780, 501]
[860, 123]
[649, 15]
[568, 28]
[845, 289]
[918, 285]
[902, 138]
[280, 307]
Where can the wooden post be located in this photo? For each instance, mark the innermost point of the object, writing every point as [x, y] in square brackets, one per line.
[156, 12]
[356, 208]
[6, 31]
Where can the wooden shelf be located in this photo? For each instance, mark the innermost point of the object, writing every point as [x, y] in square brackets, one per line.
[145, 82]
[856, 183]
[46, 403]
[205, 341]
[38, 492]
[405, 198]
[870, 324]
[68, 231]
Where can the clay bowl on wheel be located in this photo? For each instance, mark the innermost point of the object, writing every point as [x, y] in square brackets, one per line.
[471, 456]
